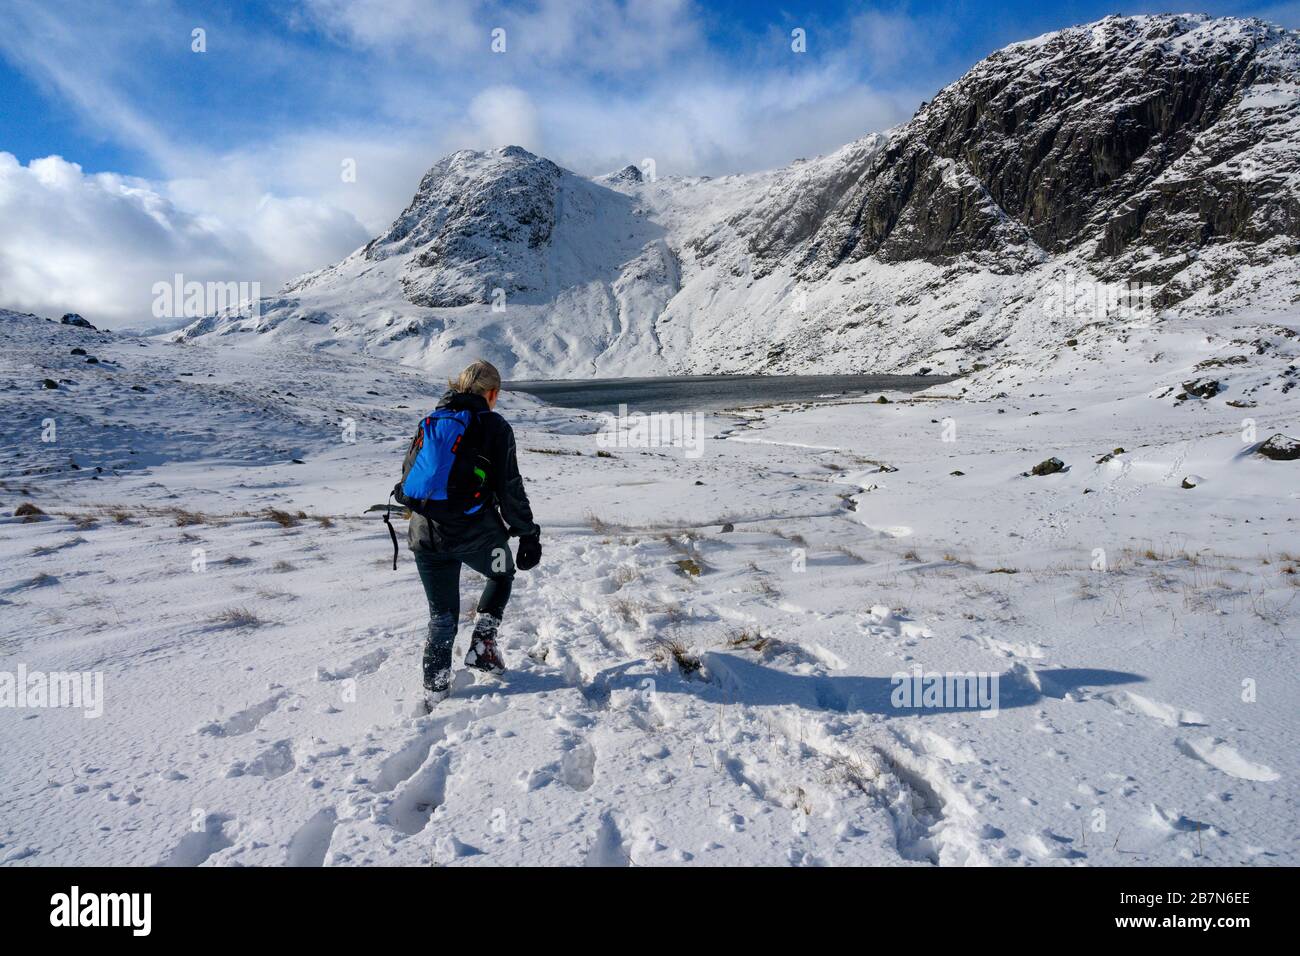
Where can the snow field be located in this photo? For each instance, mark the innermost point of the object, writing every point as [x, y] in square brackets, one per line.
[678, 694]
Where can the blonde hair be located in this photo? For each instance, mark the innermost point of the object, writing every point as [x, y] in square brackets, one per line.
[478, 378]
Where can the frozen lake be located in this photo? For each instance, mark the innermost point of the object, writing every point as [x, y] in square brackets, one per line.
[714, 392]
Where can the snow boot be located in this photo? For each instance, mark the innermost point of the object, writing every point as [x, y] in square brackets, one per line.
[438, 690]
[483, 653]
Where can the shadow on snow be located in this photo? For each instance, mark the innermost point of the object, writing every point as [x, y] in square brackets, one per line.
[736, 680]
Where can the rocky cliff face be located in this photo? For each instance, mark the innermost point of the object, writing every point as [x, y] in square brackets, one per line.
[1131, 133]
[1159, 151]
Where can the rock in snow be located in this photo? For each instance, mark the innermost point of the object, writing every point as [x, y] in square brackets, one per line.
[1281, 448]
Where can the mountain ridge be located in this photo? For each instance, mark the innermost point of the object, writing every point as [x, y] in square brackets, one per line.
[1161, 151]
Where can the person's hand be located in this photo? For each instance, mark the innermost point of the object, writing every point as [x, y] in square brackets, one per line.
[530, 552]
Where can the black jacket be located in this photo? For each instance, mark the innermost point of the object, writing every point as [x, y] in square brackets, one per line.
[509, 512]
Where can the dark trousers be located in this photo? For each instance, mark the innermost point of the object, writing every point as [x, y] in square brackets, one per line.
[440, 575]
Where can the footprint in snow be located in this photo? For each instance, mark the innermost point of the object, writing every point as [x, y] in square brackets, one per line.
[310, 843]
[1166, 714]
[1012, 649]
[243, 721]
[196, 846]
[366, 664]
[275, 761]
[1219, 754]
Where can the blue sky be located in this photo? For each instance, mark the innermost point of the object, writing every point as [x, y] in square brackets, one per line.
[318, 63]
[227, 162]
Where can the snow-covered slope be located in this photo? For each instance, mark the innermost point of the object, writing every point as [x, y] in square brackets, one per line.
[500, 253]
[680, 692]
[1161, 152]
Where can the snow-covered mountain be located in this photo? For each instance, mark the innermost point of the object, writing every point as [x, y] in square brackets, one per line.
[1156, 153]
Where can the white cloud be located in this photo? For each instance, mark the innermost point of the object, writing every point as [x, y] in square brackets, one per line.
[594, 35]
[96, 244]
[886, 41]
[715, 125]
[503, 116]
[593, 86]
[448, 30]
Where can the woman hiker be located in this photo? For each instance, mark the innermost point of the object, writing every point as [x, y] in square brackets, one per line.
[476, 529]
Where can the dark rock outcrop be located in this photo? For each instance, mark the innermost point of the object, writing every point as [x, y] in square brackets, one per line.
[1203, 387]
[1280, 448]
[1049, 467]
[1165, 133]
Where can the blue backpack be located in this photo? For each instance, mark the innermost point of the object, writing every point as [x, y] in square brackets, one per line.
[448, 476]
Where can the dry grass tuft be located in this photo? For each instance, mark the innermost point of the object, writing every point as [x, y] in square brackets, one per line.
[237, 617]
[667, 648]
[630, 612]
[29, 512]
[749, 639]
[596, 523]
[283, 518]
[854, 771]
[791, 536]
[688, 566]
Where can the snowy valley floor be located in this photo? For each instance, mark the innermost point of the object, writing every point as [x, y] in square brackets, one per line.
[678, 694]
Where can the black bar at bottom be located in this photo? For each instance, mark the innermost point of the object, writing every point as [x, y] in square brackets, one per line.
[212, 906]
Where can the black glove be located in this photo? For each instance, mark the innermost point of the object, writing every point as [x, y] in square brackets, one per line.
[530, 552]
